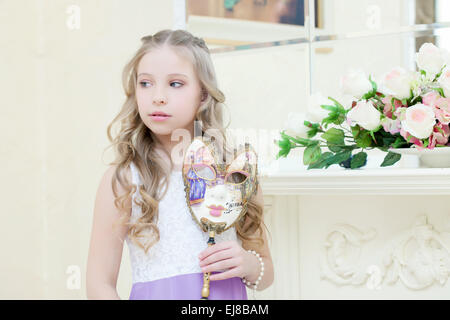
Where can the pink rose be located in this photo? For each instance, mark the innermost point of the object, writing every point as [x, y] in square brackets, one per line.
[442, 110]
[444, 81]
[440, 105]
[419, 121]
[391, 126]
[412, 139]
[387, 111]
[440, 135]
[430, 98]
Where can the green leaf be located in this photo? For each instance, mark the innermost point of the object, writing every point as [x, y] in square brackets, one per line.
[311, 154]
[372, 135]
[364, 140]
[282, 153]
[310, 124]
[368, 95]
[393, 104]
[332, 117]
[399, 141]
[338, 105]
[334, 136]
[390, 159]
[302, 141]
[314, 128]
[321, 162]
[440, 91]
[284, 144]
[329, 107]
[408, 139]
[439, 74]
[374, 85]
[358, 160]
[338, 158]
[285, 147]
[312, 132]
[334, 148]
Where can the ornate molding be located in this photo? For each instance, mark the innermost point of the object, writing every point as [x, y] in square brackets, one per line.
[418, 257]
[339, 261]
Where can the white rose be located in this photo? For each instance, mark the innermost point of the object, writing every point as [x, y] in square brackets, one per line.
[430, 58]
[365, 115]
[355, 83]
[345, 100]
[315, 112]
[444, 81]
[446, 56]
[295, 126]
[419, 121]
[397, 83]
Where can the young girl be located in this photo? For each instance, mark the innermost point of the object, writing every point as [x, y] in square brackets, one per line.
[141, 197]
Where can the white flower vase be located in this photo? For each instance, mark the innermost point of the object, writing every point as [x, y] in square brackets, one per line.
[429, 158]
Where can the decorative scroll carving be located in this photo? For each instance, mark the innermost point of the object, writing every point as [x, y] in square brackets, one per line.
[419, 257]
[340, 258]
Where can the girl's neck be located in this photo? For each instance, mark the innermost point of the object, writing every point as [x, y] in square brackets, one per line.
[164, 146]
[165, 152]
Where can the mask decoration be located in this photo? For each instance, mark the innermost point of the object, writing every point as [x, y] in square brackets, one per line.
[217, 192]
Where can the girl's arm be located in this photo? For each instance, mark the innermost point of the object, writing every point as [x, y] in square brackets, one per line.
[264, 252]
[105, 250]
[239, 262]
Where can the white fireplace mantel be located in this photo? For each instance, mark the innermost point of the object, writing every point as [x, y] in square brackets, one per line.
[382, 181]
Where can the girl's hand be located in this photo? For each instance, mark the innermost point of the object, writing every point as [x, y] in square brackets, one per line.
[228, 255]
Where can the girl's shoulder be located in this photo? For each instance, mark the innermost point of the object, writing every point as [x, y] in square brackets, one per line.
[105, 207]
[127, 173]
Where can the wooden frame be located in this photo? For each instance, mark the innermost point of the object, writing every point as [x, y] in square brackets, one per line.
[248, 21]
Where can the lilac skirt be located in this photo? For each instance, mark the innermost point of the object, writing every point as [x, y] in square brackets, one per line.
[188, 287]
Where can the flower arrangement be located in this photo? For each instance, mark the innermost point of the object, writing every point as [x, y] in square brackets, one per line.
[405, 109]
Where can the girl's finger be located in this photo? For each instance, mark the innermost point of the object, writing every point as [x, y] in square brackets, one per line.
[216, 256]
[220, 265]
[234, 272]
[217, 247]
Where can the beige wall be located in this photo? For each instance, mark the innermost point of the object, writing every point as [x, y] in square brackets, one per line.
[61, 87]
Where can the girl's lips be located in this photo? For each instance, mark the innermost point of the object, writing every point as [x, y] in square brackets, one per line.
[159, 117]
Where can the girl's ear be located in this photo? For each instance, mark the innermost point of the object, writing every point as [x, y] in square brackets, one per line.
[204, 94]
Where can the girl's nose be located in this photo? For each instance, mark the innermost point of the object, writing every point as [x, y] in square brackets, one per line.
[160, 100]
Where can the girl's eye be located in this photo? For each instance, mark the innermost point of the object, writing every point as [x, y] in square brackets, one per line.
[176, 84]
[142, 83]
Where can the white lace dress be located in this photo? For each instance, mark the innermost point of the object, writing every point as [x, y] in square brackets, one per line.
[170, 268]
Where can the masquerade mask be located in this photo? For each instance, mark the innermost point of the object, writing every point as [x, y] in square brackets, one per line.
[217, 193]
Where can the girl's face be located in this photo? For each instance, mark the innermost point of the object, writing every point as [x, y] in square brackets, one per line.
[167, 83]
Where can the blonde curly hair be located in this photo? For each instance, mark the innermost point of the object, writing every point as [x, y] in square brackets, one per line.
[135, 142]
